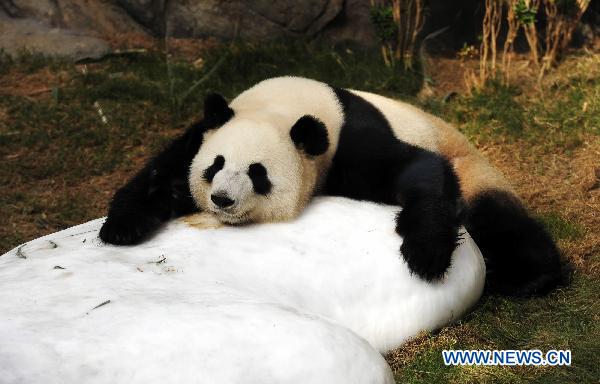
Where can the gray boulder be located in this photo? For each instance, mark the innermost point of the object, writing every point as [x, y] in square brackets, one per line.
[149, 13]
[17, 35]
[97, 18]
[255, 19]
[74, 28]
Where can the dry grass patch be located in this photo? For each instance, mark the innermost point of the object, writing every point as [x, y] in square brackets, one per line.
[35, 86]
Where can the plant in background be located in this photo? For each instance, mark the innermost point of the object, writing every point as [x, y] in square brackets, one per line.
[467, 52]
[397, 23]
[385, 29]
[513, 19]
[520, 14]
[526, 11]
[561, 19]
[488, 51]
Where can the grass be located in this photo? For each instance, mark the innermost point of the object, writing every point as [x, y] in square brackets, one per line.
[558, 115]
[560, 228]
[61, 164]
[166, 83]
[568, 319]
[491, 111]
[29, 62]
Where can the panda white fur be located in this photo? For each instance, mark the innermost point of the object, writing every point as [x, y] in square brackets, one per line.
[266, 154]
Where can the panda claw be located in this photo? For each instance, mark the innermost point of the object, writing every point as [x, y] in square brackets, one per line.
[123, 232]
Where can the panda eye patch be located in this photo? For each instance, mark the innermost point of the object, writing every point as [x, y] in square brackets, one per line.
[217, 165]
[260, 181]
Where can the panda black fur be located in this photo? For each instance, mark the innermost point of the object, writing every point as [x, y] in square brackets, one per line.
[262, 157]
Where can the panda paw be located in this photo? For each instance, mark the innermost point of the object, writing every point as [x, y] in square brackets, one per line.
[428, 242]
[429, 259]
[127, 231]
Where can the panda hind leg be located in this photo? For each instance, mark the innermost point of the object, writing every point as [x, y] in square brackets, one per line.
[521, 257]
[428, 191]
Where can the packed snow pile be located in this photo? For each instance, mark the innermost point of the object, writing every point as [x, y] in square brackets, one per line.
[310, 301]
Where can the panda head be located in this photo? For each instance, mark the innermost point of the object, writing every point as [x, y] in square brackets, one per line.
[252, 168]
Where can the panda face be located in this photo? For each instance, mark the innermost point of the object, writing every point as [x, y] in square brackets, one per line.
[247, 172]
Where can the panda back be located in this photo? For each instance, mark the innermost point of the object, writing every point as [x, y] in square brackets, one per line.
[408, 123]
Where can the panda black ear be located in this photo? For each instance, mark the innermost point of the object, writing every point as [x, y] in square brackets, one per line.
[310, 135]
[216, 110]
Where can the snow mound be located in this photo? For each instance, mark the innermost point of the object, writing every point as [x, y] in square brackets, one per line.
[309, 301]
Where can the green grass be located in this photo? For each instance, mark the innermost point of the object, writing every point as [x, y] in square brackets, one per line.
[493, 110]
[567, 319]
[29, 62]
[560, 228]
[426, 368]
[233, 69]
[558, 117]
[64, 139]
[143, 94]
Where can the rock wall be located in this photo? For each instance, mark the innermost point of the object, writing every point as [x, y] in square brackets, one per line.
[254, 20]
[251, 20]
[94, 17]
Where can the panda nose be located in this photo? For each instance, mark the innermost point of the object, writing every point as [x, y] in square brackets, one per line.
[221, 200]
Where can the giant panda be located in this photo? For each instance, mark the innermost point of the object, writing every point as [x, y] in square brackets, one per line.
[262, 157]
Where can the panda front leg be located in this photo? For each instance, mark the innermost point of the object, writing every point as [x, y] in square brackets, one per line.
[160, 191]
[429, 193]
